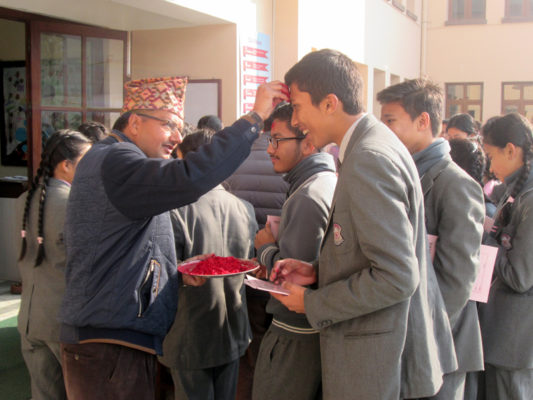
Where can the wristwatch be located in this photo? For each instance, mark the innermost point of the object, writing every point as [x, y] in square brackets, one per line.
[254, 118]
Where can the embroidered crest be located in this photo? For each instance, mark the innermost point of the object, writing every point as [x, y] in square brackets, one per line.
[337, 236]
[506, 241]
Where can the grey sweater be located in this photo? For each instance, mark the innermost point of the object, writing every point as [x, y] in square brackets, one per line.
[304, 218]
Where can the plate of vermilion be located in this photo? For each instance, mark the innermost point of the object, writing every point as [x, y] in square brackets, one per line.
[215, 266]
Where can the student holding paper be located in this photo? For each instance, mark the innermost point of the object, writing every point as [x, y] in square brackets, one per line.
[454, 209]
[288, 365]
[506, 319]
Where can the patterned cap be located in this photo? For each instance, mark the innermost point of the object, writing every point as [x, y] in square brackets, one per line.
[156, 94]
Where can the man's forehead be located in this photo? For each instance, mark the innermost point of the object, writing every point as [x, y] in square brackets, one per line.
[279, 127]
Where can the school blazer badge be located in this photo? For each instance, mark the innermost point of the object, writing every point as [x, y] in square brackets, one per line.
[337, 235]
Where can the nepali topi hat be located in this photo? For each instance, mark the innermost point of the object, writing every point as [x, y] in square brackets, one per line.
[156, 94]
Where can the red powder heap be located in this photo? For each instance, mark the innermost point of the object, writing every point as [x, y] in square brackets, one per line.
[216, 265]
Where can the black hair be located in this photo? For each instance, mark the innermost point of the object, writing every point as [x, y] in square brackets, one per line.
[210, 122]
[62, 145]
[463, 122]
[194, 140]
[326, 72]
[95, 131]
[516, 129]
[122, 122]
[417, 96]
[468, 155]
[282, 112]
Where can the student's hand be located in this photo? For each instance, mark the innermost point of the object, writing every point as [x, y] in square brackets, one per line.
[192, 280]
[261, 272]
[293, 271]
[295, 300]
[268, 96]
[264, 236]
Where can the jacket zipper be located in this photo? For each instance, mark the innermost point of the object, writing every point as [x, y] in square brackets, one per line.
[150, 271]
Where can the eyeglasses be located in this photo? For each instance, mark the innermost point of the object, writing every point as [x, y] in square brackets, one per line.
[274, 142]
[171, 125]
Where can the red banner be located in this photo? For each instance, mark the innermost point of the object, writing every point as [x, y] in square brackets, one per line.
[252, 51]
[254, 65]
[255, 79]
[247, 93]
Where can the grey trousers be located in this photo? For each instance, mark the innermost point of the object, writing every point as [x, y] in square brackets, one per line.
[217, 383]
[508, 384]
[288, 367]
[44, 365]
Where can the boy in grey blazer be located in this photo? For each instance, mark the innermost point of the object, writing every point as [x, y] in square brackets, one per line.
[384, 333]
[454, 209]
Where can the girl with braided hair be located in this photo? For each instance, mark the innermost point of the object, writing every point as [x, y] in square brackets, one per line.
[42, 262]
[506, 319]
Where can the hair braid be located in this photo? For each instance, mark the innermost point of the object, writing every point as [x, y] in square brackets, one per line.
[527, 155]
[40, 230]
[25, 217]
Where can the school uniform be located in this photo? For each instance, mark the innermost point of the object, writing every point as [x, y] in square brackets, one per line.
[43, 288]
[506, 319]
[454, 210]
[384, 332]
[211, 329]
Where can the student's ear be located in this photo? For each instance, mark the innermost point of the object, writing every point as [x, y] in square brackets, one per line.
[134, 123]
[330, 103]
[511, 151]
[423, 121]
[307, 146]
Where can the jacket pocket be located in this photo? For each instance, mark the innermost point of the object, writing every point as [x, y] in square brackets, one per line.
[149, 288]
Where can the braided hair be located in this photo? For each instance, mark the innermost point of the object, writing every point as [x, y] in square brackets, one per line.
[62, 145]
[516, 129]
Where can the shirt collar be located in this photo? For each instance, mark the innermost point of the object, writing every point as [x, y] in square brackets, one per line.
[347, 137]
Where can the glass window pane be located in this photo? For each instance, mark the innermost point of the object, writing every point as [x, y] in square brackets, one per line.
[52, 121]
[458, 9]
[105, 70]
[511, 92]
[528, 92]
[106, 118]
[510, 108]
[60, 70]
[455, 92]
[474, 110]
[515, 8]
[473, 92]
[529, 112]
[478, 8]
[452, 110]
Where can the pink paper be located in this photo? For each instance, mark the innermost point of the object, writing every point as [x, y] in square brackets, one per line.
[273, 220]
[487, 259]
[267, 286]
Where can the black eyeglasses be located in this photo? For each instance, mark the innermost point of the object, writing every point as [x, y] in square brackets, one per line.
[274, 142]
[166, 122]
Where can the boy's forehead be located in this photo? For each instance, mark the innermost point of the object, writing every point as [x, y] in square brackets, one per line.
[279, 127]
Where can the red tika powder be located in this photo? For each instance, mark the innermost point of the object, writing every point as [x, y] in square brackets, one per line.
[216, 265]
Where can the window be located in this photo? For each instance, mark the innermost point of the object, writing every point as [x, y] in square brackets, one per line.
[466, 12]
[518, 97]
[464, 98]
[518, 10]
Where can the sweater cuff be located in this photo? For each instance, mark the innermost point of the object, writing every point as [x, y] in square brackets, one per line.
[265, 255]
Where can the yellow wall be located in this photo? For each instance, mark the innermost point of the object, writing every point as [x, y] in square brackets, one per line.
[491, 53]
[207, 52]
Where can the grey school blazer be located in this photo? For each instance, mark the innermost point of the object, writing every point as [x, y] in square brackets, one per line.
[43, 286]
[507, 318]
[455, 212]
[377, 290]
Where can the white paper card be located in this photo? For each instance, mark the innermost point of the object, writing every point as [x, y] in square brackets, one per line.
[267, 286]
[487, 259]
[273, 220]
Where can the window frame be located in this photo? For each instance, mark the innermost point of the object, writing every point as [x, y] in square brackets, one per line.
[468, 19]
[463, 103]
[520, 103]
[526, 16]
